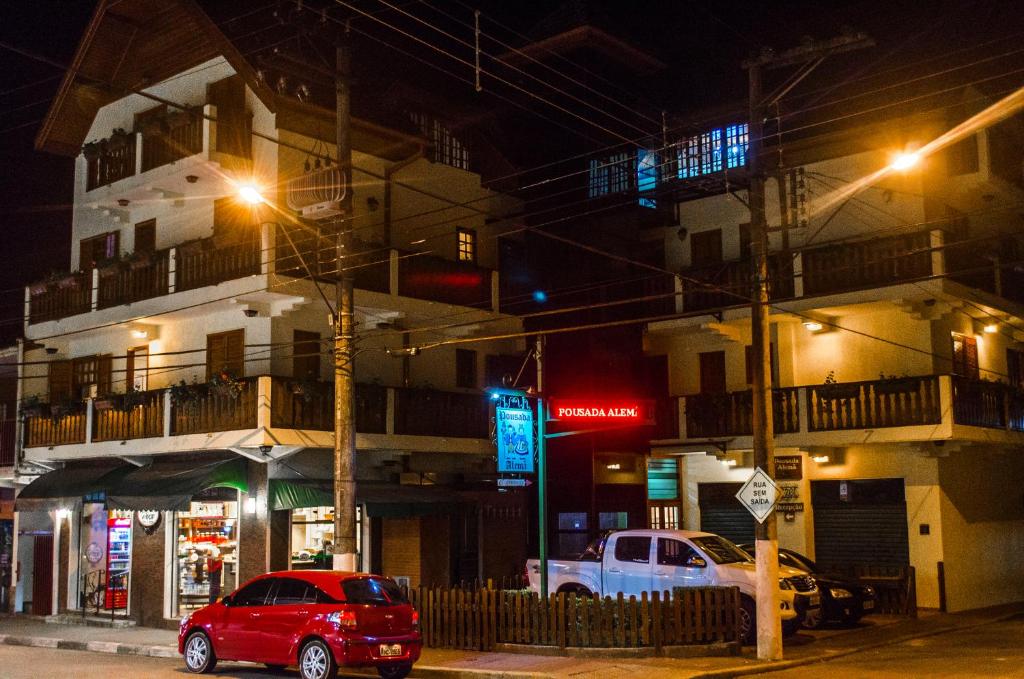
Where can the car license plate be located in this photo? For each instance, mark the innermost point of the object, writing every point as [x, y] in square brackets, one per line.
[815, 600]
[869, 604]
[390, 650]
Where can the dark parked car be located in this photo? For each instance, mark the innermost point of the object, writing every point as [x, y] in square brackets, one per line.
[842, 599]
[318, 620]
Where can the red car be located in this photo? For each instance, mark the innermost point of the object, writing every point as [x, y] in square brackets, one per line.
[318, 620]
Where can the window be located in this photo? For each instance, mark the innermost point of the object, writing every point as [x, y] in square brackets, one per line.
[674, 552]
[736, 142]
[965, 356]
[662, 479]
[447, 148]
[306, 355]
[234, 135]
[80, 377]
[93, 251]
[291, 592]
[467, 244]
[711, 152]
[138, 369]
[646, 175]
[664, 516]
[572, 533]
[706, 248]
[712, 372]
[145, 236]
[225, 351]
[706, 153]
[613, 520]
[613, 174]
[465, 369]
[254, 594]
[1015, 368]
[688, 157]
[721, 550]
[633, 549]
[372, 591]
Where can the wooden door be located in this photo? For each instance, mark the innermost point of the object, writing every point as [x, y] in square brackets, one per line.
[712, 372]
[42, 575]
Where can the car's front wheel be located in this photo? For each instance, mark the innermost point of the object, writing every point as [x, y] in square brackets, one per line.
[199, 655]
[394, 671]
[790, 627]
[814, 618]
[316, 661]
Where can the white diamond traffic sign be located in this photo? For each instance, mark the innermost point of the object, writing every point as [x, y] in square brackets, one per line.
[758, 495]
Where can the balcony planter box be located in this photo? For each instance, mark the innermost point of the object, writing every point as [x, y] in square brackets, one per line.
[140, 261]
[38, 289]
[837, 392]
[898, 386]
[107, 403]
[68, 283]
[94, 149]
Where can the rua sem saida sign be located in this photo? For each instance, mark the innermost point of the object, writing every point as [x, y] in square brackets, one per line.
[759, 495]
[515, 440]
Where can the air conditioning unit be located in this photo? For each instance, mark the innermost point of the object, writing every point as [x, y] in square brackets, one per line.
[318, 194]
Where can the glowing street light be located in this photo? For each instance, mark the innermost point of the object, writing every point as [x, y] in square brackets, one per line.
[905, 161]
[250, 194]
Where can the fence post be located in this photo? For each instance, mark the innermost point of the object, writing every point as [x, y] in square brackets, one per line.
[656, 621]
[645, 620]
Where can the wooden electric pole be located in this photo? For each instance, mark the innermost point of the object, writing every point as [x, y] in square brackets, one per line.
[769, 622]
[345, 558]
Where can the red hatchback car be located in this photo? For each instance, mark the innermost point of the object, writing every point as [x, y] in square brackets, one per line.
[318, 620]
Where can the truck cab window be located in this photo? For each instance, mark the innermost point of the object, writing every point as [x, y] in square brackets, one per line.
[633, 549]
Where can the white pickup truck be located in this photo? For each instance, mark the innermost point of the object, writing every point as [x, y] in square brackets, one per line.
[635, 561]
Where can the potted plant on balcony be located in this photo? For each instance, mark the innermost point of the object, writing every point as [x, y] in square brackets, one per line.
[38, 288]
[226, 385]
[185, 396]
[106, 402]
[140, 260]
[33, 406]
[834, 391]
[94, 149]
[890, 384]
[118, 139]
[66, 407]
[130, 400]
[308, 388]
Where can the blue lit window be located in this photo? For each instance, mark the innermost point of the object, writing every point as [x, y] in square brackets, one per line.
[711, 152]
[688, 157]
[614, 174]
[736, 141]
[662, 479]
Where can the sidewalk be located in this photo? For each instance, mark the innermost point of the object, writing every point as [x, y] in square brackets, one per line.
[805, 648]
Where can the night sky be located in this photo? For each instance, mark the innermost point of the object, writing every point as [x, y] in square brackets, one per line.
[701, 41]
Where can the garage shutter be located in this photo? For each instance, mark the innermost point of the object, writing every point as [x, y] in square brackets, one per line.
[721, 513]
[863, 523]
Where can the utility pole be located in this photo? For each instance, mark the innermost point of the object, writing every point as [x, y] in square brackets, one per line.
[769, 622]
[344, 366]
[542, 470]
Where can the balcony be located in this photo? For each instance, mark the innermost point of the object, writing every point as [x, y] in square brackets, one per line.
[905, 409]
[731, 283]
[866, 264]
[443, 280]
[259, 411]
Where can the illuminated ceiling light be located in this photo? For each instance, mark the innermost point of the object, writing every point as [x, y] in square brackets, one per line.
[140, 334]
[820, 459]
[905, 161]
[991, 328]
[615, 466]
[729, 462]
[250, 194]
[813, 326]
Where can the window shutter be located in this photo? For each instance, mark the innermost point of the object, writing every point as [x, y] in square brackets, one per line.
[225, 351]
[103, 374]
[59, 380]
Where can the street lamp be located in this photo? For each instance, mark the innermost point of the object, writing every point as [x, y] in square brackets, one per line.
[905, 161]
[250, 193]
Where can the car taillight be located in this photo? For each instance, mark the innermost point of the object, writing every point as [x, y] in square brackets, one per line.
[343, 619]
[415, 620]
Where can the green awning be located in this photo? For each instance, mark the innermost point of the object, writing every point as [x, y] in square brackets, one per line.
[381, 499]
[64, 488]
[170, 485]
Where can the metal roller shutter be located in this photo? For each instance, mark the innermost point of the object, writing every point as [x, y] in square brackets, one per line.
[861, 522]
[721, 513]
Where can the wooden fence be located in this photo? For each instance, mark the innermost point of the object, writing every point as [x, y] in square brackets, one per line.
[481, 619]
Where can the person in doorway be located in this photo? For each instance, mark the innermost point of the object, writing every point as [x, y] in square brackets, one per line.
[324, 559]
[214, 569]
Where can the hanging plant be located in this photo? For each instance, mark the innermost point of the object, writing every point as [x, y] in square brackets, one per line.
[33, 406]
[186, 396]
[94, 149]
[226, 385]
[38, 288]
[118, 140]
[131, 399]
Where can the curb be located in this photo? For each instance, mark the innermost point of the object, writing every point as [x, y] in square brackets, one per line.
[766, 667]
[116, 648]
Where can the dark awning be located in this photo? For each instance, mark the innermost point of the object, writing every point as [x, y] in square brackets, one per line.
[170, 485]
[381, 499]
[64, 488]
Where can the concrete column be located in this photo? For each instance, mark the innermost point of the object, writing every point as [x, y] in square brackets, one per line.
[167, 412]
[28, 305]
[95, 289]
[90, 417]
[393, 272]
[253, 526]
[62, 540]
[801, 409]
[149, 573]
[264, 383]
[677, 287]
[267, 249]
[280, 540]
[172, 260]
[138, 154]
[209, 129]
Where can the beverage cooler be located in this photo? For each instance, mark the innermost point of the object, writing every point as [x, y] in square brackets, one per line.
[119, 550]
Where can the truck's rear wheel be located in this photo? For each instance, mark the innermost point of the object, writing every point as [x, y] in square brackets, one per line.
[578, 590]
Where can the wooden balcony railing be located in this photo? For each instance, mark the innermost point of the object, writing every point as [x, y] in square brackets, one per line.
[8, 447]
[426, 412]
[866, 264]
[178, 136]
[899, 402]
[109, 160]
[142, 278]
[212, 411]
[54, 430]
[139, 422]
[202, 263]
[987, 404]
[69, 296]
[298, 249]
[442, 280]
[293, 408]
[729, 283]
[731, 414]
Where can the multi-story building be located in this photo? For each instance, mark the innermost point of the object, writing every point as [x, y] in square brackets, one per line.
[175, 384]
[897, 321]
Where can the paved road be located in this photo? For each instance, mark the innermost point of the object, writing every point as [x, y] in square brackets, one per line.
[995, 650]
[19, 662]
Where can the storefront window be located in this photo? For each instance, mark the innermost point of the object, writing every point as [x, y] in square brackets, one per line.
[207, 558]
[106, 551]
[313, 537]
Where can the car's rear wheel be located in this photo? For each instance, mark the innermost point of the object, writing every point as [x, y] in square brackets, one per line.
[316, 661]
[199, 655]
[748, 621]
[394, 671]
[813, 618]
